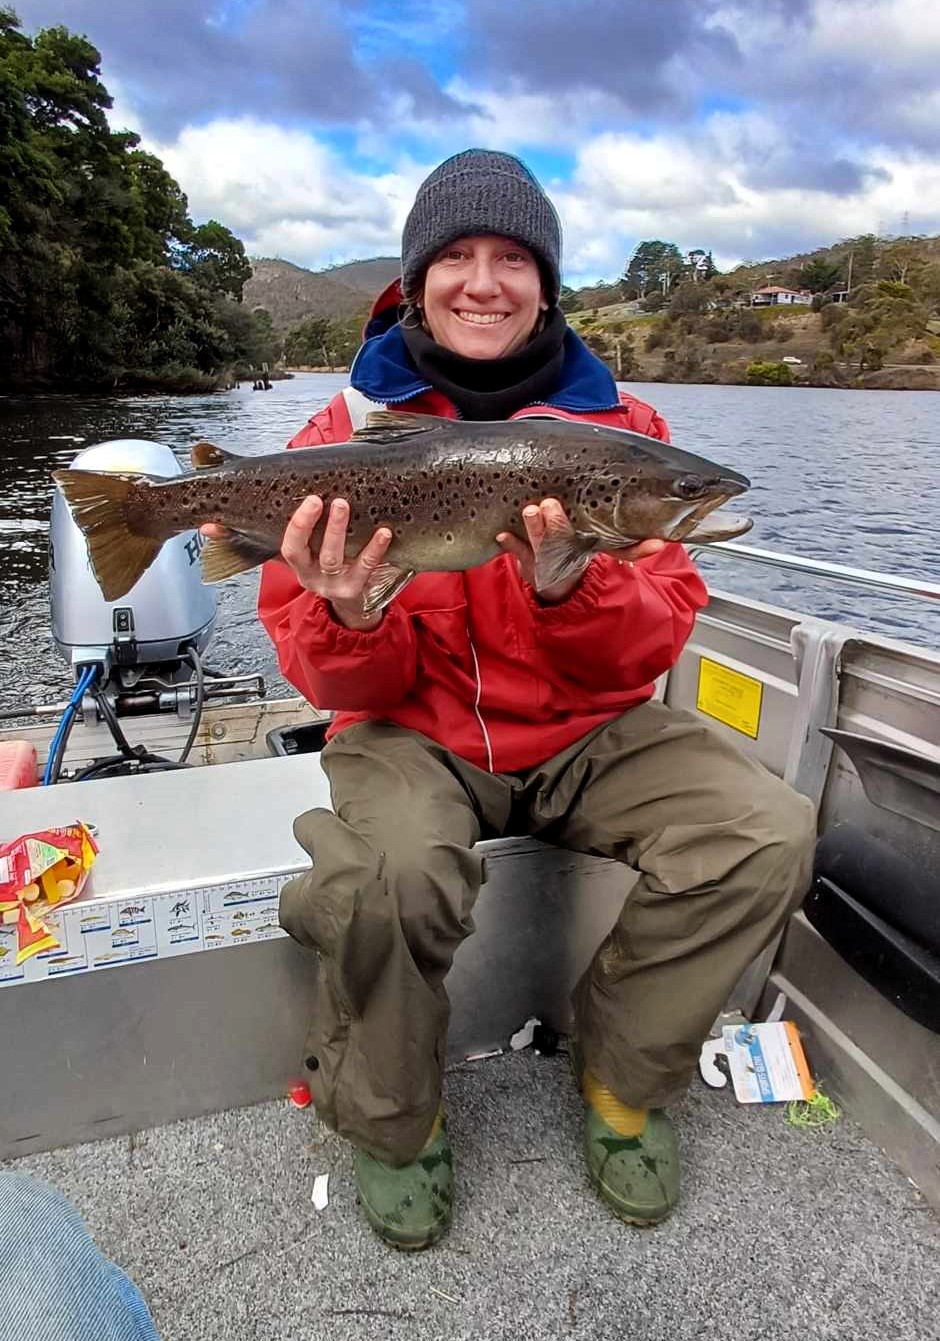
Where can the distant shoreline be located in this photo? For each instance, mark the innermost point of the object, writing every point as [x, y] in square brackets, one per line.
[897, 378]
[313, 368]
[886, 379]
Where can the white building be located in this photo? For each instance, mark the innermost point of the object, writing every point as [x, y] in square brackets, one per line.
[772, 295]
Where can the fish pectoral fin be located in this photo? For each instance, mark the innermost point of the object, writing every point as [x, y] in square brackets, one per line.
[386, 582]
[561, 556]
[205, 455]
[235, 554]
[386, 425]
[603, 536]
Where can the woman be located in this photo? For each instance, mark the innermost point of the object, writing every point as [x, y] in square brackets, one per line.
[473, 707]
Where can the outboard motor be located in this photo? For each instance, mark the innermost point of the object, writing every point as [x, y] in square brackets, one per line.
[167, 613]
[140, 655]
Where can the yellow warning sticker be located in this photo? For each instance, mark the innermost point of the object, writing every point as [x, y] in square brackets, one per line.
[729, 696]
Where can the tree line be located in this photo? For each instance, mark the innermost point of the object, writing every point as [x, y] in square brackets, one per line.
[105, 280]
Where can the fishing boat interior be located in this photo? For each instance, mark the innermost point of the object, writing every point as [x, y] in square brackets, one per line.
[148, 1054]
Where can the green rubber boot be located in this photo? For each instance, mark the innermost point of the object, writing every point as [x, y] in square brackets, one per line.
[637, 1176]
[409, 1207]
[631, 1154]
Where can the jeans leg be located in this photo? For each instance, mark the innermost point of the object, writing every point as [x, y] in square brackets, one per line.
[55, 1284]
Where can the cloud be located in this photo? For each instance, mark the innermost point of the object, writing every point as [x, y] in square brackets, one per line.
[755, 127]
[648, 58]
[866, 69]
[286, 193]
[830, 70]
[508, 119]
[769, 155]
[697, 194]
[289, 194]
[850, 68]
[865, 72]
[292, 59]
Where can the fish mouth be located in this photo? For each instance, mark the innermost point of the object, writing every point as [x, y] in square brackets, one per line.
[699, 526]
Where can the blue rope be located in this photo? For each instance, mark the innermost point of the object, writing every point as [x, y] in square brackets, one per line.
[85, 679]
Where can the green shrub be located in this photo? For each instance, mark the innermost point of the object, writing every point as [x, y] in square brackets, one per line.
[750, 326]
[719, 328]
[779, 332]
[769, 374]
[832, 314]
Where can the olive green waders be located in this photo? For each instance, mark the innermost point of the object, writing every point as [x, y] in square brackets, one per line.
[723, 849]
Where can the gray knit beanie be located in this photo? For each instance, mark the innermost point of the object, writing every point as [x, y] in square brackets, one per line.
[481, 191]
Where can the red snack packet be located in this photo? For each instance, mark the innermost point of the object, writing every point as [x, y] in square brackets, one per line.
[39, 871]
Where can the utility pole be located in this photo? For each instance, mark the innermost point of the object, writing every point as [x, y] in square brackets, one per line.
[848, 282]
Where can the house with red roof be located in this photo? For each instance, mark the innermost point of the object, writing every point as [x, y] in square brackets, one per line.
[773, 295]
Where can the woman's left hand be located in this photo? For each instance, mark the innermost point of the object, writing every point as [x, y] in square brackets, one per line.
[548, 517]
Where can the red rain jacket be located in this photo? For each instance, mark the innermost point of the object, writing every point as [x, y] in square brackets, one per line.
[472, 659]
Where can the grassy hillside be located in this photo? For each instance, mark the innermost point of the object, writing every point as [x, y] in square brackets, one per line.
[654, 349]
[874, 321]
[701, 330]
[368, 277]
[291, 294]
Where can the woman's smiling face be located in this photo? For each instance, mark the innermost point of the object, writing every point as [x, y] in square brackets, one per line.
[482, 296]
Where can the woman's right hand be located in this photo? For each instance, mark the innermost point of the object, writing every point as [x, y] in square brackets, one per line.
[329, 573]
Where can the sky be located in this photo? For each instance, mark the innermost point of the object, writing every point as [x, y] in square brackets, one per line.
[752, 128]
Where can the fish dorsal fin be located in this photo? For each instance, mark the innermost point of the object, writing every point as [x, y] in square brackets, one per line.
[388, 426]
[205, 455]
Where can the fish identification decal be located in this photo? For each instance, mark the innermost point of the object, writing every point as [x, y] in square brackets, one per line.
[96, 934]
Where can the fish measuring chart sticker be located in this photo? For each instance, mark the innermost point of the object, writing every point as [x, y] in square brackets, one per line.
[101, 934]
[729, 696]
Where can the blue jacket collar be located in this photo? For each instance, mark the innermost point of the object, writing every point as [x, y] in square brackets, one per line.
[383, 370]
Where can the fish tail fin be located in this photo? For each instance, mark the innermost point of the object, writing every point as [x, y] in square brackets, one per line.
[98, 501]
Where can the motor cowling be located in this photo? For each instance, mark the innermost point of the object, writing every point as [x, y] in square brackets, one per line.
[168, 610]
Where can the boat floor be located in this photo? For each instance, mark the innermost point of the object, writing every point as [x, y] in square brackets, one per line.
[780, 1233]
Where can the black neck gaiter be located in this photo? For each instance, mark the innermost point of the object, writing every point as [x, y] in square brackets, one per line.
[493, 388]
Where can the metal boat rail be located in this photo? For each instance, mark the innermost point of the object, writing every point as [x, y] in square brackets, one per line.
[863, 577]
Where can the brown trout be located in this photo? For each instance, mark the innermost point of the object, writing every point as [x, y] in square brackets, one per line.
[444, 487]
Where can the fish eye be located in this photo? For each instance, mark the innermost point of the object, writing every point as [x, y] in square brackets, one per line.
[690, 486]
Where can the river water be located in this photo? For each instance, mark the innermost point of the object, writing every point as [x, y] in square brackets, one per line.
[847, 476]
